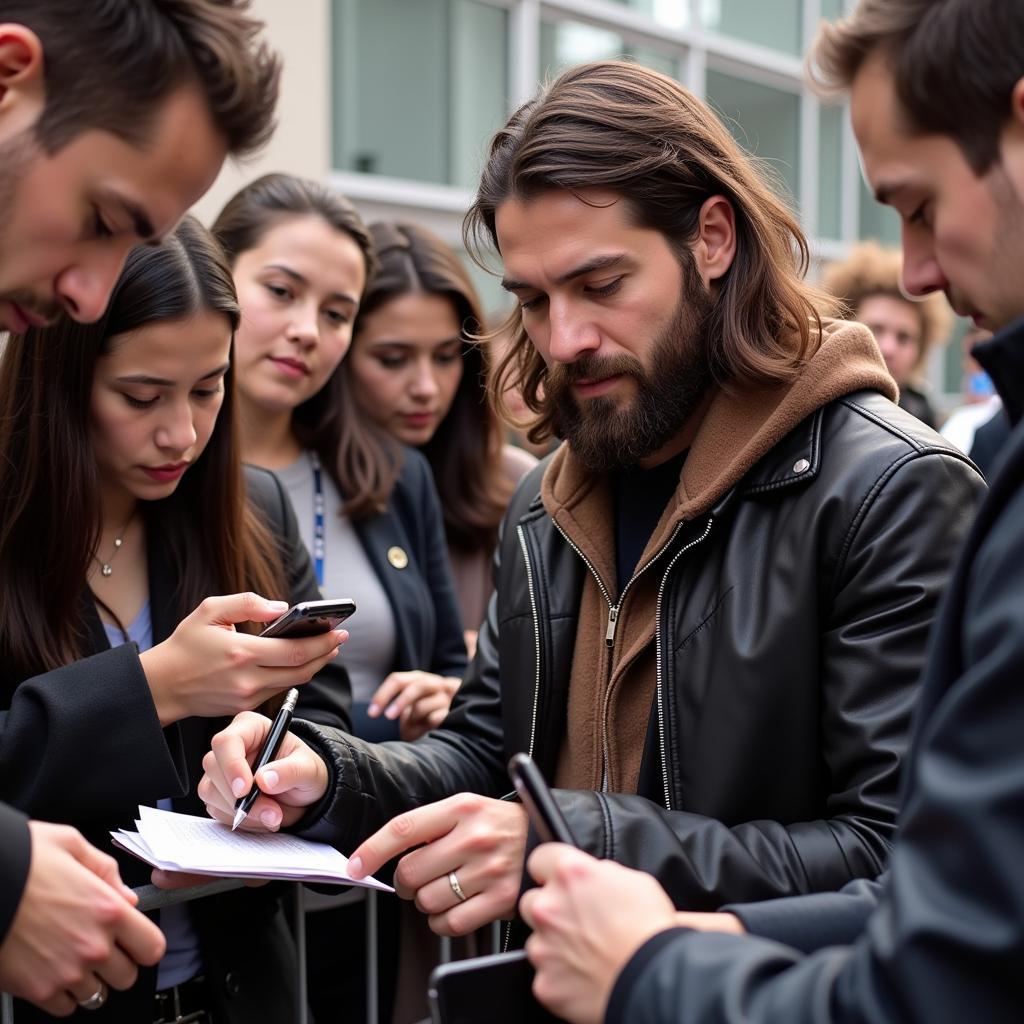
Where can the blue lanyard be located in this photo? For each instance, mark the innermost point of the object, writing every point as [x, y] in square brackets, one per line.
[319, 541]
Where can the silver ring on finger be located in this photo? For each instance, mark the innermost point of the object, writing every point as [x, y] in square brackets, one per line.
[456, 888]
[97, 999]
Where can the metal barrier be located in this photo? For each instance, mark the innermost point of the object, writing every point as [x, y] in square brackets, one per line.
[152, 898]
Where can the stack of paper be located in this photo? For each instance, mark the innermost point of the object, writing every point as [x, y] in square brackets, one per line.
[182, 842]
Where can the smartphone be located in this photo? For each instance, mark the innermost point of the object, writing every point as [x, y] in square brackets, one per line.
[544, 813]
[308, 618]
[497, 989]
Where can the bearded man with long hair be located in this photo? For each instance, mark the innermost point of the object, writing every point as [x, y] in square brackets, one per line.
[711, 602]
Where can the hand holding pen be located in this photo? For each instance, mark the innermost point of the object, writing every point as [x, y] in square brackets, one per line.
[269, 750]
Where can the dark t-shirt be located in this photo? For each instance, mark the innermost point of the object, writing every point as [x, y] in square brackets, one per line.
[640, 496]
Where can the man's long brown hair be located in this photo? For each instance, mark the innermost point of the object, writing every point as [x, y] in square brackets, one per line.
[622, 127]
[50, 517]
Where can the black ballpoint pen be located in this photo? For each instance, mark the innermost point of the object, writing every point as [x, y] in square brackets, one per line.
[271, 745]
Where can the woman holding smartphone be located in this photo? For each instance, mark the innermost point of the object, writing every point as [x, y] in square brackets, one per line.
[366, 505]
[123, 505]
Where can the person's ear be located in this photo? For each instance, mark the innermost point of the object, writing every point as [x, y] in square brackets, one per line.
[715, 248]
[1017, 102]
[22, 78]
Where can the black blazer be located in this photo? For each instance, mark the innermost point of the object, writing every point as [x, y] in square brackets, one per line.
[946, 939]
[428, 627]
[84, 746]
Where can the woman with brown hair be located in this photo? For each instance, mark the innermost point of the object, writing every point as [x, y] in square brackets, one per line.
[124, 506]
[367, 507]
[417, 374]
[867, 282]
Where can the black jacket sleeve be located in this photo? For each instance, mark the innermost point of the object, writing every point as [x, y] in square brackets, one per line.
[371, 783]
[327, 697]
[947, 939]
[811, 922]
[100, 709]
[15, 857]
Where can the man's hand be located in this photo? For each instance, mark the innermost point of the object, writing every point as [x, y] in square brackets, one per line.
[483, 841]
[419, 700]
[76, 928]
[589, 918]
[291, 783]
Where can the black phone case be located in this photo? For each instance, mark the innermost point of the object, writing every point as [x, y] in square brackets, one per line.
[495, 989]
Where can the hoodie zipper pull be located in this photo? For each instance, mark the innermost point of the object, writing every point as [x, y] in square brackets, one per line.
[613, 618]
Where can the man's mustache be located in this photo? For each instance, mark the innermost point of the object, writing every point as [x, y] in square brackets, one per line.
[563, 375]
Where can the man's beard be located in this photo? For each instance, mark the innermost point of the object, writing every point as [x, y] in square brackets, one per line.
[605, 437]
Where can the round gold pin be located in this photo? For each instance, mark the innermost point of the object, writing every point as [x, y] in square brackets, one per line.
[397, 557]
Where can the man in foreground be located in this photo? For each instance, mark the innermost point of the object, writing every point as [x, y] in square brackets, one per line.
[937, 98]
[115, 117]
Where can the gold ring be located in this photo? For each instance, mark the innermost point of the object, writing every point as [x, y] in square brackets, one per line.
[456, 888]
[96, 1000]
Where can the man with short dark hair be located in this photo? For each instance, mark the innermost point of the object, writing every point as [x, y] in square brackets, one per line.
[937, 100]
[115, 116]
[711, 603]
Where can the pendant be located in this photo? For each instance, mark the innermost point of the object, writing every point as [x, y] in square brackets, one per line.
[106, 569]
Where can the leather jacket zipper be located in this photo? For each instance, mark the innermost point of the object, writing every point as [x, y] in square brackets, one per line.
[613, 618]
[536, 636]
[659, 692]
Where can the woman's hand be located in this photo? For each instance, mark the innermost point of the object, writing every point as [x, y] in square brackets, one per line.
[295, 780]
[419, 700]
[208, 668]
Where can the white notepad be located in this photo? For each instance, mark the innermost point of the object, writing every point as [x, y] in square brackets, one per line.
[183, 842]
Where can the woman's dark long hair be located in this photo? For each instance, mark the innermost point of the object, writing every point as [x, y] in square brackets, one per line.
[465, 451]
[362, 461]
[50, 515]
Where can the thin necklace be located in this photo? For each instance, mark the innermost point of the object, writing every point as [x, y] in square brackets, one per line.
[105, 567]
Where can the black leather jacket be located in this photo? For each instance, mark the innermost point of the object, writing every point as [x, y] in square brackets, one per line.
[791, 633]
[946, 940]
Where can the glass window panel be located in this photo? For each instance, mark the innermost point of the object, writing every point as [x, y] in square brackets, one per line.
[765, 121]
[670, 13]
[479, 85]
[775, 25]
[830, 151]
[565, 43]
[876, 220]
[418, 87]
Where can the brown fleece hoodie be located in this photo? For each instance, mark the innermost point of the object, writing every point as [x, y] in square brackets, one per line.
[611, 689]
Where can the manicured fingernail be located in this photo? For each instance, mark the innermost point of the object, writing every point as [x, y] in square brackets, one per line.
[355, 867]
[238, 787]
[269, 818]
[373, 710]
[392, 711]
[270, 778]
[278, 606]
